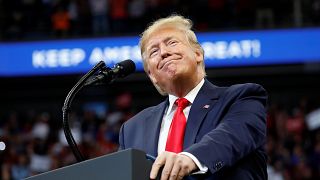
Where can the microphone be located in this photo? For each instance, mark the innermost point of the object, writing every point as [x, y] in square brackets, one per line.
[120, 70]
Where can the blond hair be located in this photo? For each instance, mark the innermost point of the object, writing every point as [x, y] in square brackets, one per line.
[176, 22]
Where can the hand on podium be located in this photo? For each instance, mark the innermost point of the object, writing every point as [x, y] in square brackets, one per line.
[175, 166]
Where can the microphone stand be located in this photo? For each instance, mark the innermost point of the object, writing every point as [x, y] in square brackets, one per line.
[67, 106]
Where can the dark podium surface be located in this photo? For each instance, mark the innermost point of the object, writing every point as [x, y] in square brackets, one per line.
[129, 164]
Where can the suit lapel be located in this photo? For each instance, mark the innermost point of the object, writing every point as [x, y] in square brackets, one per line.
[202, 104]
[152, 128]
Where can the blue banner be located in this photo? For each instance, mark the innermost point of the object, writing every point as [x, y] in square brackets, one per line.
[225, 49]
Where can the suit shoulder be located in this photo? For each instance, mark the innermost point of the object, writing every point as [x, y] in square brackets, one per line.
[247, 86]
[144, 114]
[246, 89]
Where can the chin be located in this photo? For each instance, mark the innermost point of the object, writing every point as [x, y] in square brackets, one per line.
[173, 74]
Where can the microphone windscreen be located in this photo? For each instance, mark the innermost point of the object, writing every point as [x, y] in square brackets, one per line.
[126, 67]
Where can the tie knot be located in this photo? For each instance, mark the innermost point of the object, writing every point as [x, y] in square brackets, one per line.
[182, 102]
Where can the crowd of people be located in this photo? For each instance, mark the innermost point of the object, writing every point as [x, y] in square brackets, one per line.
[35, 142]
[293, 142]
[49, 19]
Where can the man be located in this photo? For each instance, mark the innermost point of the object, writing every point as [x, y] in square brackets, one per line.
[220, 132]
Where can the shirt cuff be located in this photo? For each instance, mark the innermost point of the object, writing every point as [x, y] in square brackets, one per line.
[202, 168]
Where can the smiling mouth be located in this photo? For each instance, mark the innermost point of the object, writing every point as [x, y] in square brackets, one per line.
[166, 63]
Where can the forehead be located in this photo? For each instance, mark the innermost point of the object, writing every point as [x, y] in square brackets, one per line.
[164, 34]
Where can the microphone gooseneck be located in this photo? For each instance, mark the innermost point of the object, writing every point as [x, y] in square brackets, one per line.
[106, 74]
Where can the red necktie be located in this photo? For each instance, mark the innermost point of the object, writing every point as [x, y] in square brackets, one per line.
[177, 127]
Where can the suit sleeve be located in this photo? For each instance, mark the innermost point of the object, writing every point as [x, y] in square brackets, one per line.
[241, 130]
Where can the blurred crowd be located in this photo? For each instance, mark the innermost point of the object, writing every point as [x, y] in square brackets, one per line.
[35, 142]
[48, 19]
[293, 141]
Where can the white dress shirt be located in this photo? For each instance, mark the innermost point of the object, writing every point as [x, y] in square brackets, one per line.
[167, 119]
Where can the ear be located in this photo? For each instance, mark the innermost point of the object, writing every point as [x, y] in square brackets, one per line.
[198, 55]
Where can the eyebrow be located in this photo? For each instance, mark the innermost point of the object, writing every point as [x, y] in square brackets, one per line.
[165, 40]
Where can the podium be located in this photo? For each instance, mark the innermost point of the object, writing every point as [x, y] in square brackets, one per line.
[129, 164]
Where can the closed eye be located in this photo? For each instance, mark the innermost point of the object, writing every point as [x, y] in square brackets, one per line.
[153, 52]
[172, 42]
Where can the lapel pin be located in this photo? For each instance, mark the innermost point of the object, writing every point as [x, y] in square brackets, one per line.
[206, 106]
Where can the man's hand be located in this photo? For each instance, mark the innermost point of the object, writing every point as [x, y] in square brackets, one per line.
[176, 166]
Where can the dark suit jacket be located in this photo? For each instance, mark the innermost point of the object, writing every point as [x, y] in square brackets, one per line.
[228, 136]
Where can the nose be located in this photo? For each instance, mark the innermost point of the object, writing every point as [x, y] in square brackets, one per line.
[164, 50]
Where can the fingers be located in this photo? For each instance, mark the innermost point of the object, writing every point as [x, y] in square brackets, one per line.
[166, 172]
[158, 163]
[175, 166]
[180, 168]
[175, 173]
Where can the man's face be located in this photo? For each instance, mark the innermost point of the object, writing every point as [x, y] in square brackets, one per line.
[171, 58]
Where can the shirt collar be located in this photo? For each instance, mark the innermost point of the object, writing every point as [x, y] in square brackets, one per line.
[190, 96]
